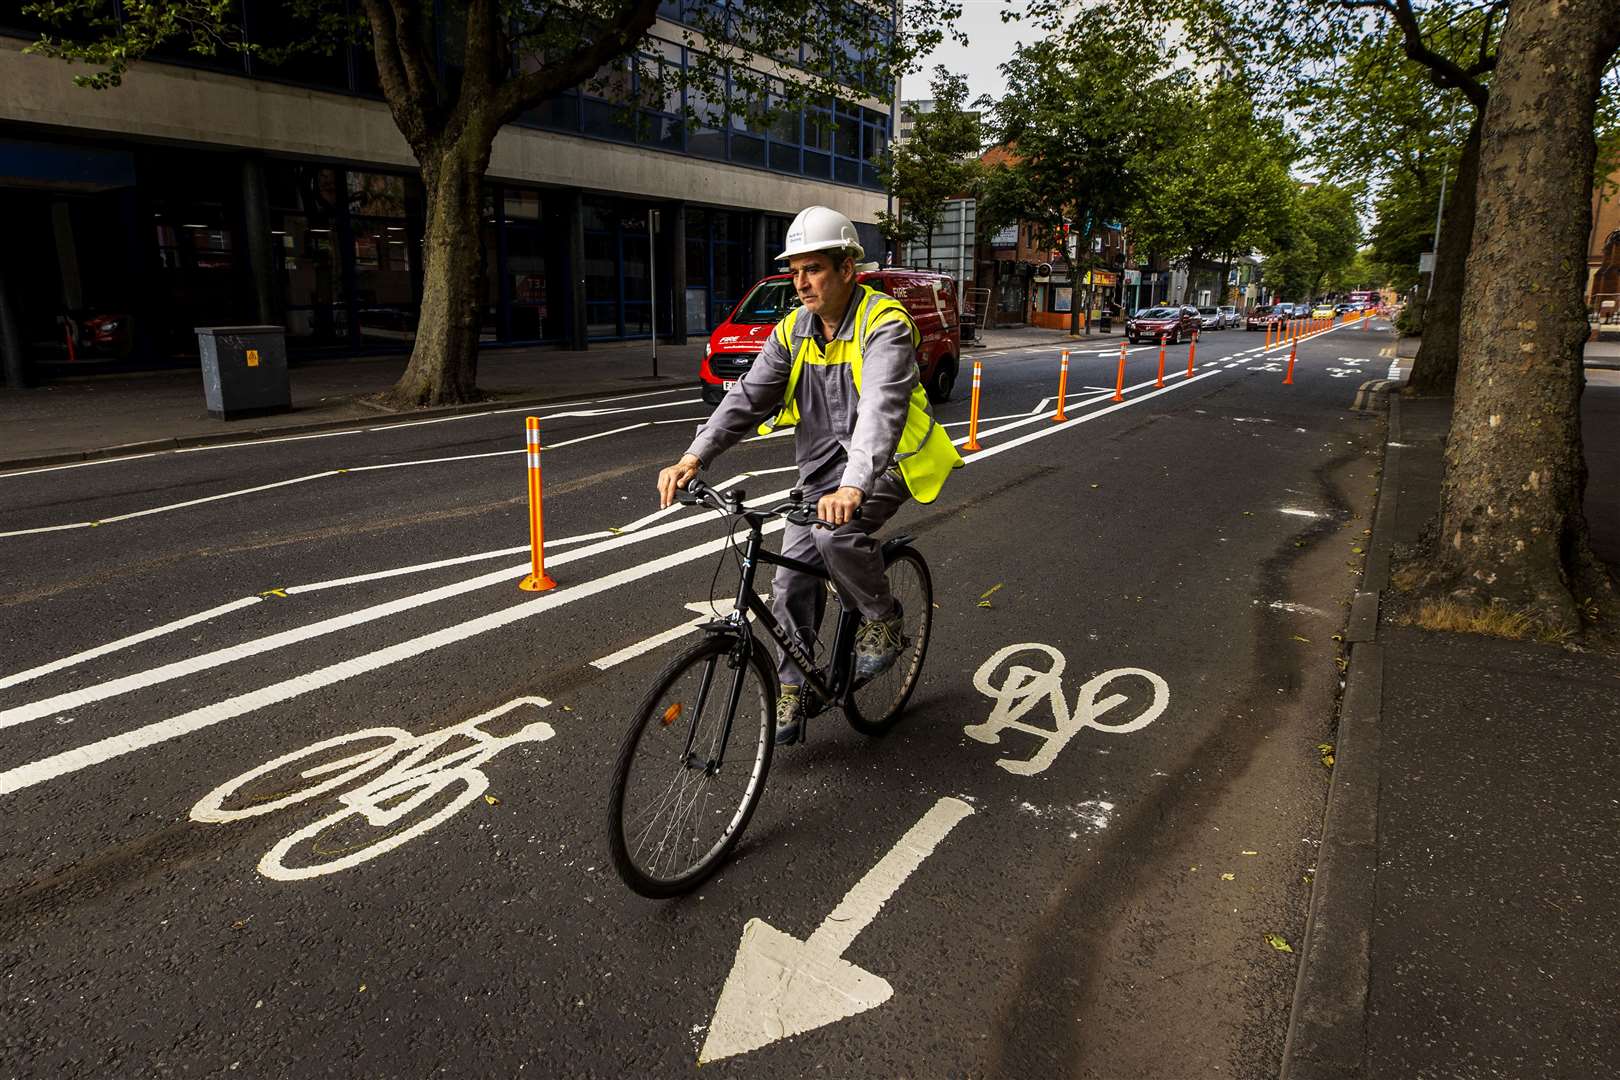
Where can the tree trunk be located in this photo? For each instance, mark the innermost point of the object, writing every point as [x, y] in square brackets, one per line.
[1435, 369]
[1512, 527]
[444, 360]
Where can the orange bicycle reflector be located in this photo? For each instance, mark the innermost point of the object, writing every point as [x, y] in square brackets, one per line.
[673, 713]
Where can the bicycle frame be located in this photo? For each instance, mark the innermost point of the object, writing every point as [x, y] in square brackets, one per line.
[831, 686]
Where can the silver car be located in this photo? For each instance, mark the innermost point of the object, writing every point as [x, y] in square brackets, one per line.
[1229, 312]
[1211, 318]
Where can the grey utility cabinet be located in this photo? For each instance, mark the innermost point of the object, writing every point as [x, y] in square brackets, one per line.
[244, 370]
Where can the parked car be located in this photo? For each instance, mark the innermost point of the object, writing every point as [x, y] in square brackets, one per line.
[1265, 315]
[931, 300]
[1210, 318]
[1233, 316]
[1173, 323]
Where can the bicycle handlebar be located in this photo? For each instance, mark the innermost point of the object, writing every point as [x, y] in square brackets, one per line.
[794, 510]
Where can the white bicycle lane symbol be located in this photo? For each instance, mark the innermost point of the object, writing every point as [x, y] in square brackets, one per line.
[414, 779]
[1025, 687]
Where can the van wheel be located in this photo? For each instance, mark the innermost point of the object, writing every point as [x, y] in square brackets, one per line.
[944, 380]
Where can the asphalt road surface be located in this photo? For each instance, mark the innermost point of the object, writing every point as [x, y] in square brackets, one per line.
[1119, 908]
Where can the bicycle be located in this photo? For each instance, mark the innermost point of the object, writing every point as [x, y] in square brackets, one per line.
[678, 804]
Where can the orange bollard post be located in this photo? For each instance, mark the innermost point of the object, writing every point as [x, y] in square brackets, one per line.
[1192, 351]
[1063, 389]
[973, 410]
[1269, 324]
[538, 580]
[1288, 379]
[1119, 385]
[1160, 382]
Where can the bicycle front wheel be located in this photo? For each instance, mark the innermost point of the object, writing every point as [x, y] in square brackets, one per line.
[876, 704]
[685, 786]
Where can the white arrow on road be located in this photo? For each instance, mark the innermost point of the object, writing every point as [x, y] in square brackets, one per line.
[781, 986]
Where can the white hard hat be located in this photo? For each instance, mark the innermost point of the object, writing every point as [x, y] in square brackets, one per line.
[820, 228]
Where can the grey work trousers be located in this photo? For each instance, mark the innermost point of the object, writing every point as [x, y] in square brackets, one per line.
[854, 558]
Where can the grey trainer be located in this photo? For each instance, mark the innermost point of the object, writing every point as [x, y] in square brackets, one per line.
[878, 644]
[789, 715]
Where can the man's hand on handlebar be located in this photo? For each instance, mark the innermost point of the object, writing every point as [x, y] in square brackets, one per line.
[676, 477]
[839, 507]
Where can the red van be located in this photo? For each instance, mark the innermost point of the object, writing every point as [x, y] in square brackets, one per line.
[931, 299]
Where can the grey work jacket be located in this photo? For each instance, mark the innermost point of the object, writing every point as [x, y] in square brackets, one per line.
[844, 439]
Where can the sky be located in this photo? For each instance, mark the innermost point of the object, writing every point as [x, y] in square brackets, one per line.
[990, 44]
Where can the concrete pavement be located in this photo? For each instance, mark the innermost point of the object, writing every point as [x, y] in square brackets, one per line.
[1463, 922]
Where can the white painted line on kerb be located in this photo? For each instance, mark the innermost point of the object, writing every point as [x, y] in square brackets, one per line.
[95, 753]
[126, 642]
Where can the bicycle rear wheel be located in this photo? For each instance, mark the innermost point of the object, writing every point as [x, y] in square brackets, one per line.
[875, 705]
[683, 790]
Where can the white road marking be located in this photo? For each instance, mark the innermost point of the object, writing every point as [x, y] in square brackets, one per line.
[598, 435]
[780, 986]
[80, 464]
[168, 507]
[266, 442]
[35, 710]
[1295, 609]
[126, 642]
[707, 612]
[82, 757]
[414, 777]
[176, 506]
[45, 769]
[1300, 512]
[1024, 687]
[1054, 429]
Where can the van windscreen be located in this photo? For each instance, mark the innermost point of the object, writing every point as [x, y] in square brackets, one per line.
[767, 303]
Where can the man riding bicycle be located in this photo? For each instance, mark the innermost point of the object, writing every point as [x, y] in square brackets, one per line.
[842, 369]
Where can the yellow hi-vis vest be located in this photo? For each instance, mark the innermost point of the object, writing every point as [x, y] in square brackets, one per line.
[925, 455]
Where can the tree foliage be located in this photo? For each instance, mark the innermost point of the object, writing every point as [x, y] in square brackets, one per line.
[937, 162]
[1219, 188]
[1082, 116]
[1319, 241]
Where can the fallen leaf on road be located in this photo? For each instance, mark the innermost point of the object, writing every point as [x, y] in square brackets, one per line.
[492, 800]
[1094, 487]
[1251, 853]
[1326, 750]
[1278, 942]
[987, 594]
[1228, 877]
[1306, 640]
